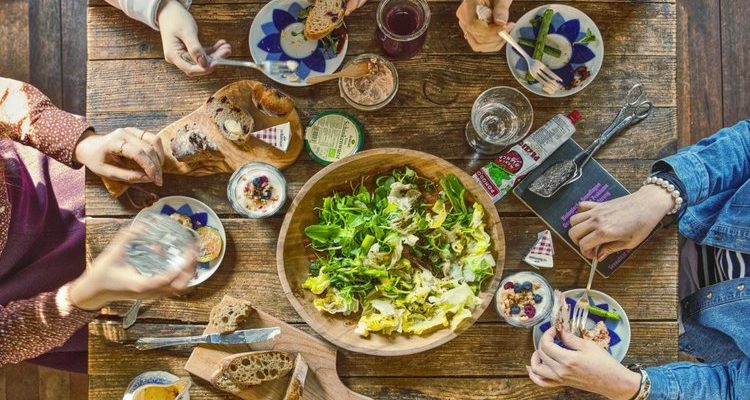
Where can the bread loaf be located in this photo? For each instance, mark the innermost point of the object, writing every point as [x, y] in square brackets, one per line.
[297, 383]
[234, 123]
[243, 370]
[191, 145]
[271, 101]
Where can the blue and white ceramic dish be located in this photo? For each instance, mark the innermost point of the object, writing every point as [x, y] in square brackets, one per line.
[277, 33]
[619, 331]
[200, 215]
[157, 378]
[574, 34]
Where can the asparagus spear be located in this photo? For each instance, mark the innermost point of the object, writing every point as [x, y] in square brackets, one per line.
[547, 49]
[541, 38]
[604, 313]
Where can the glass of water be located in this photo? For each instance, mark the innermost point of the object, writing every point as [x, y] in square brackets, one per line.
[160, 245]
[500, 116]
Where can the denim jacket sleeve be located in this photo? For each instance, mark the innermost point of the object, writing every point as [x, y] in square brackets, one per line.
[717, 163]
[683, 380]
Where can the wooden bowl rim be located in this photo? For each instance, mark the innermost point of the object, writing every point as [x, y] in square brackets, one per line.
[476, 191]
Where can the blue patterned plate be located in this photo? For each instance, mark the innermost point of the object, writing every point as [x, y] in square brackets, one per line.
[574, 34]
[157, 378]
[277, 34]
[200, 215]
[619, 331]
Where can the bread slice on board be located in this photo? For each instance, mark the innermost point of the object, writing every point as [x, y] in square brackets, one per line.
[229, 315]
[297, 383]
[243, 370]
[323, 17]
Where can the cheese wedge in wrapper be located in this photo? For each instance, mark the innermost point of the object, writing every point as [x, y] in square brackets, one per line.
[277, 136]
[540, 255]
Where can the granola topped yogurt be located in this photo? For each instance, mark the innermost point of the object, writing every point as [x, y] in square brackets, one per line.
[524, 299]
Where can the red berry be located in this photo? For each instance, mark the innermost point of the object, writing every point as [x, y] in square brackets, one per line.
[508, 285]
[529, 310]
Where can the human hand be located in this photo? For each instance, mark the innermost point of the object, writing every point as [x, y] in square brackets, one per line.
[352, 5]
[179, 37]
[110, 278]
[586, 366]
[126, 154]
[482, 35]
[622, 223]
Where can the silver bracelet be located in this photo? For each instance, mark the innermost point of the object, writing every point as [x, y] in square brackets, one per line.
[664, 184]
[644, 392]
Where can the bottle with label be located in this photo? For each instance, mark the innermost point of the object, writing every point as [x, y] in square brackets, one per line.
[501, 175]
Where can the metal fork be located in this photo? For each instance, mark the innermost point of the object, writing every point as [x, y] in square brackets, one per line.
[581, 310]
[276, 68]
[537, 69]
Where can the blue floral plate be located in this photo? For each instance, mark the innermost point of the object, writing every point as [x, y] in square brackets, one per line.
[619, 331]
[574, 34]
[200, 215]
[277, 34]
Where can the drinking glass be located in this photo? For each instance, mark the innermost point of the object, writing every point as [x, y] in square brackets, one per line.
[500, 116]
[160, 245]
[402, 27]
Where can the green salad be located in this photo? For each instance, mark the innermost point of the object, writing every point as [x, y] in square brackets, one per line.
[409, 256]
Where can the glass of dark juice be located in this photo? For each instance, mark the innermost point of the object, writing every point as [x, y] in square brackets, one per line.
[402, 27]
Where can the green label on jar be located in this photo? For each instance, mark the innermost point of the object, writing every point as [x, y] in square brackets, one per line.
[332, 137]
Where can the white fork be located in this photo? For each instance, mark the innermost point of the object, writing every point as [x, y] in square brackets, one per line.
[537, 69]
[581, 310]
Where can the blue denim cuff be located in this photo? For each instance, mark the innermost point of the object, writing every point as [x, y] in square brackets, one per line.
[663, 384]
[691, 172]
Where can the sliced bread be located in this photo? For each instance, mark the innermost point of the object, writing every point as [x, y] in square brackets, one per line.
[323, 17]
[221, 381]
[229, 315]
[297, 383]
[191, 145]
[253, 368]
[234, 123]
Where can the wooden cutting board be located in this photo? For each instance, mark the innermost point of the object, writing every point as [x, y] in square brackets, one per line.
[240, 94]
[323, 382]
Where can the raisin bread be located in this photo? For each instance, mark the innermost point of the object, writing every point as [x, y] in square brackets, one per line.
[191, 145]
[234, 123]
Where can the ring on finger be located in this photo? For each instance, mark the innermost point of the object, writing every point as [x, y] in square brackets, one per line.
[121, 149]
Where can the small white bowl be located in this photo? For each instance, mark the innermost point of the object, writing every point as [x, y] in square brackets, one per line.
[156, 378]
[253, 168]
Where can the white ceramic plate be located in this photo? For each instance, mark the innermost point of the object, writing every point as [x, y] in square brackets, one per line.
[568, 28]
[619, 330]
[276, 34]
[152, 378]
[200, 215]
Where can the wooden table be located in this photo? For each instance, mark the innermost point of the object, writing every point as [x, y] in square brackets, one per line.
[129, 84]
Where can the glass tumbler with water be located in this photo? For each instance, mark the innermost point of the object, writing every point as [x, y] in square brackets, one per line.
[500, 116]
[161, 244]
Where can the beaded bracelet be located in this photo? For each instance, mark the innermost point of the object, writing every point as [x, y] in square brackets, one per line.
[670, 188]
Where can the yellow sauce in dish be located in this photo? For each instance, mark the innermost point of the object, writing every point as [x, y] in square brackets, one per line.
[160, 393]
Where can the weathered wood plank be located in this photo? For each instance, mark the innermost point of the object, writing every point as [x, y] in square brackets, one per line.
[699, 85]
[14, 40]
[53, 384]
[99, 3]
[21, 382]
[735, 61]
[45, 53]
[111, 36]
[124, 85]
[212, 189]
[79, 386]
[2, 384]
[249, 271]
[440, 131]
[73, 62]
[484, 350]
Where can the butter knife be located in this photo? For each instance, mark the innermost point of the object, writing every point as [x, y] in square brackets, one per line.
[238, 337]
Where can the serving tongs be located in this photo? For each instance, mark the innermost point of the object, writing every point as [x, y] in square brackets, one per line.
[563, 173]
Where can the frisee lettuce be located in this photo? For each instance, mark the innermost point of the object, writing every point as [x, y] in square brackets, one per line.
[408, 257]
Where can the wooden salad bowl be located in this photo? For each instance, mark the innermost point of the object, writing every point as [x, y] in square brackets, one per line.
[294, 265]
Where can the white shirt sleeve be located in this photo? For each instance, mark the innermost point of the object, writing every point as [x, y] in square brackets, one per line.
[145, 10]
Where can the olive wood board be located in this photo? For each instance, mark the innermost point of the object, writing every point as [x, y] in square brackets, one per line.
[240, 94]
[323, 382]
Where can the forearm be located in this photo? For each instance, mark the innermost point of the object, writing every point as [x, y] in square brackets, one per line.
[29, 328]
[145, 11]
[699, 381]
[715, 164]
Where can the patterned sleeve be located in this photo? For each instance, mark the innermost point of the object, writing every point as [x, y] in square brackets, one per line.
[27, 116]
[32, 327]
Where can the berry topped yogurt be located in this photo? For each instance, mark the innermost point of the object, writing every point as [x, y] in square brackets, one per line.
[524, 299]
[257, 190]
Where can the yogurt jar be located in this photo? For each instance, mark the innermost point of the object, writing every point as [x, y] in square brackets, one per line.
[257, 190]
[373, 91]
[524, 299]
